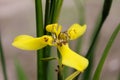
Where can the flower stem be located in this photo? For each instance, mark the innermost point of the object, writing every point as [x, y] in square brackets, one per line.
[51, 16]
[41, 75]
[60, 67]
[60, 71]
[105, 53]
[47, 14]
[52, 11]
[57, 9]
[39, 18]
[3, 61]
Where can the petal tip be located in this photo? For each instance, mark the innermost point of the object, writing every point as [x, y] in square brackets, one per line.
[76, 31]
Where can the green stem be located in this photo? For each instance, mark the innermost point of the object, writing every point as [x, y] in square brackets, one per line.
[3, 61]
[51, 16]
[47, 11]
[52, 11]
[41, 75]
[53, 2]
[39, 18]
[60, 67]
[60, 73]
[56, 11]
[47, 49]
[47, 14]
[105, 53]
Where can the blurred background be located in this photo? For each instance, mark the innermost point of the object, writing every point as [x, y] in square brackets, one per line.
[18, 17]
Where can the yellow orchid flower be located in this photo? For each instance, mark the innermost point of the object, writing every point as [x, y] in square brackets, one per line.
[58, 39]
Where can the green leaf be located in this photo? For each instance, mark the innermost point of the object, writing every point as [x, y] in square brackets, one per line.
[118, 76]
[3, 61]
[72, 76]
[19, 71]
[105, 53]
[90, 53]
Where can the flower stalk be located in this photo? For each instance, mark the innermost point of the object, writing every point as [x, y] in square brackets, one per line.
[52, 11]
[41, 75]
[60, 66]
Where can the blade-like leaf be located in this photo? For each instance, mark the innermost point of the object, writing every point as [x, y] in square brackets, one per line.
[19, 71]
[105, 53]
[2, 59]
[90, 53]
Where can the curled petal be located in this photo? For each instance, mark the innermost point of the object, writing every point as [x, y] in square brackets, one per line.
[72, 59]
[26, 42]
[54, 28]
[76, 31]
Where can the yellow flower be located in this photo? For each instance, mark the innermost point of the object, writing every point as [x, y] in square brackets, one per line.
[58, 39]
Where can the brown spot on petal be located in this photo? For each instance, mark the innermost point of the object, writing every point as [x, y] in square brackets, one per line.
[74, 31]
[46, 39]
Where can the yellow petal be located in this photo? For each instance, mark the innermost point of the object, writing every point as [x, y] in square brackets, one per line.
[72, 59]
[54, 28]
[76, 31]
[26, 42]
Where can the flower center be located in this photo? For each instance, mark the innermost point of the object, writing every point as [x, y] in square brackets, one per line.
[61, 38]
